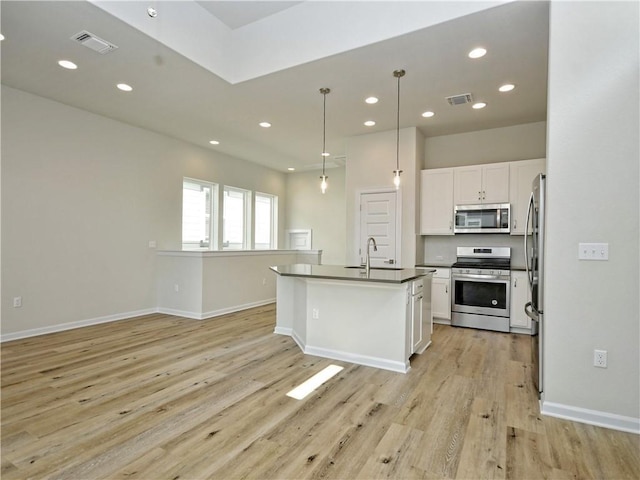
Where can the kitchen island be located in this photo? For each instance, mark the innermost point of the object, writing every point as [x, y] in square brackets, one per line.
[373, 318]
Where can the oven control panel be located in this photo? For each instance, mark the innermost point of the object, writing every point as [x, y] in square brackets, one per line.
[481, 271]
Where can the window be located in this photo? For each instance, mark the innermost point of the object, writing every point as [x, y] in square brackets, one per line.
[266, 221]
[199, 214]
[236, 212]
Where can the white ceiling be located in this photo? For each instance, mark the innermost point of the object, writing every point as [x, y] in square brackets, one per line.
[240, 13]
[185, 95]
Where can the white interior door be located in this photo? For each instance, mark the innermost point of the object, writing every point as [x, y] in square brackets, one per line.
[378, 220]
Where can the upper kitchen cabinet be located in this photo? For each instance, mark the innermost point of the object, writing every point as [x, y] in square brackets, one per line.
[481, 184]
[521, 177]
[436, 201]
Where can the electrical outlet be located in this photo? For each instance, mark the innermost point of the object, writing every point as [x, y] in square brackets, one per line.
[152, 244]
[315, 314]
[600, 358]
[176, 287]
[264, 281]
[17, 302]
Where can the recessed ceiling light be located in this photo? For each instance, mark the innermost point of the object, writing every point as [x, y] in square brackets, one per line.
[369, 123]
[265, 124]
[124, 87]
[325, 154]
[507, 87]
[479, 105]
[477, 53]
[371, 100]
[291, 169]
[428, 114]
[67, 64]
[214, 142]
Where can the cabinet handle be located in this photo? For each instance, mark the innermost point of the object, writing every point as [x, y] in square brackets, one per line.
[484, 194]
[479, 195]
[515, 224]
[446, 289]
[450, 226]
[515, 283]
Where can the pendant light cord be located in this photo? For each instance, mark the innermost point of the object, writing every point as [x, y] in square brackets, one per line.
[398, 127]
[324, 127]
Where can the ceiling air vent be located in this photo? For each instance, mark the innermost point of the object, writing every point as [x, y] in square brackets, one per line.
[459, 99]
[96, 44]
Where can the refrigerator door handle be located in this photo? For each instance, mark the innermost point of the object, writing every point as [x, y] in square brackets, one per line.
[526, 246]
[528, 310]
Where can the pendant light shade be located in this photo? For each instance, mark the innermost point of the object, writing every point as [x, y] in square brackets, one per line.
[396, 173]
[323, 177]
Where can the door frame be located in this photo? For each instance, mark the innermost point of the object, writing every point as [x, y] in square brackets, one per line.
[358, 218]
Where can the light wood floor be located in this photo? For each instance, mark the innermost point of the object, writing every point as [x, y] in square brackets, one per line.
[164, 397]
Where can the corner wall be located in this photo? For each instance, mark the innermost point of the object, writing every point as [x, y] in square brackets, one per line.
[82, 196]
[324, 214]
[593, 196]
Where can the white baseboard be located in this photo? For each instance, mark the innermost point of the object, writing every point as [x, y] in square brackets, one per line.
[71, 325]
[214, 313]
[283, 331]
[401, 367]
[591, 417]
[7, 337]
[236, 308]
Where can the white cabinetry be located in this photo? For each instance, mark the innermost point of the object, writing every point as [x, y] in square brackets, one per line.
[441, 295]
[416, 293]
[481, 184]
[436, 201]
[520, 295]
[521, 176]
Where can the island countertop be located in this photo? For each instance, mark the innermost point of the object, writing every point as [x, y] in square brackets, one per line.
[340, 272]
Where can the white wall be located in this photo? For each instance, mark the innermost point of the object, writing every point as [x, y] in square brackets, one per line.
[82, 195]
[371, 160]
[324, 214]
[593, 196]
[517, 142]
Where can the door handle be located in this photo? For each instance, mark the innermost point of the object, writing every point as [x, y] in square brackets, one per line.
[529, 312]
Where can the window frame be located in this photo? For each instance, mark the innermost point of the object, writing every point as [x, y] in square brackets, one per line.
[213, 216]
[246, 218]
[273, 221]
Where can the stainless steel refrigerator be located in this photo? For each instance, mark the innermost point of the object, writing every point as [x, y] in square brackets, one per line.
[534, 262]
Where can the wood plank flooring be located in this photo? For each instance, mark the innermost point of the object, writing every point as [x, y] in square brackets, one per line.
[161, 397]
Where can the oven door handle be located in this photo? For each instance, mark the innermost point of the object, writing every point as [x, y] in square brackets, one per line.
[473, 276]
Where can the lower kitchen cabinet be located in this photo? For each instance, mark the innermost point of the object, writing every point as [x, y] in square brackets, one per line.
[441, 295]
[520, 295]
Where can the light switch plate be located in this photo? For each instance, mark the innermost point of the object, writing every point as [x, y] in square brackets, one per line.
[593, 251]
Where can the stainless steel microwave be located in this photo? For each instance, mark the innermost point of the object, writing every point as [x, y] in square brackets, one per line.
[486, 218]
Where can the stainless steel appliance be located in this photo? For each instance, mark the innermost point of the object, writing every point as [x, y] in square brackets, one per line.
[485, 218]
[481, 288]
[534, 262]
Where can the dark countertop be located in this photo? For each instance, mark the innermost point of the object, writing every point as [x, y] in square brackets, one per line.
[340, 272]
[435, 265]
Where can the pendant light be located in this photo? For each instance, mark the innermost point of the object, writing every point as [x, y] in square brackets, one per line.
[396, 173]
[323, 177]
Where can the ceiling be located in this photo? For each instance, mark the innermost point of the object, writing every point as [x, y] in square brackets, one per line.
[182, 72]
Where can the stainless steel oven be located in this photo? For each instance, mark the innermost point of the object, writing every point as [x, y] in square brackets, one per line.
[481, 288]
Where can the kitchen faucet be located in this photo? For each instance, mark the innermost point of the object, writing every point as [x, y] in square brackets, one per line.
[375, 249]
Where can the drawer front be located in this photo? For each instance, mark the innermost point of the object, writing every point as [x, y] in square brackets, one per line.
[416, 287]
[442, 273]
